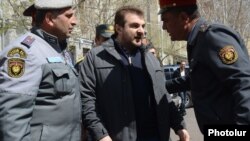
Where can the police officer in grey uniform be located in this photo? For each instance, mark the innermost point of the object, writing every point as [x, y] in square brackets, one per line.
[39, 88]
[219, 65]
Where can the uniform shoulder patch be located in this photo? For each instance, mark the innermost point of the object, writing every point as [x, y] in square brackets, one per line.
[28, 41]
[17, 52]
[16, 63]
[80, 59]
[16, 67]
[228, 55]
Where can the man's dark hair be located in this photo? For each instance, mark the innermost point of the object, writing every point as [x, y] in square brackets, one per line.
[121, 12]
[40, 15]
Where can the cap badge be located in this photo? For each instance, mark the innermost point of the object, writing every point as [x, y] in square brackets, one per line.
[228, 55]
[110, 28]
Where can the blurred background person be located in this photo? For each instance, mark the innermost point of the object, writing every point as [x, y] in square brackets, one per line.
[103, 33]
[149, 46]
[182, 71]
[153, 51]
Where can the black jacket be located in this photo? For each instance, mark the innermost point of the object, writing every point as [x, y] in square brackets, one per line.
[177, 72]
[108, 107]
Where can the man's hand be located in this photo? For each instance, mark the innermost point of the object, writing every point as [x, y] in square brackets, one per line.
[107, 138]
[183, 135]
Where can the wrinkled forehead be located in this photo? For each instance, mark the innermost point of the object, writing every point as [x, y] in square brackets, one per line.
[133, 17]
[130, 15]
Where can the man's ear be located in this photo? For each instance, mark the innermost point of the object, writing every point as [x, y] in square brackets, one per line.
[184, 17]
[118, 28]
[49, 18]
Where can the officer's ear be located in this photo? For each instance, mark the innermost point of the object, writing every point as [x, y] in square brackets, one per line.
[184, 17]
[49, 18]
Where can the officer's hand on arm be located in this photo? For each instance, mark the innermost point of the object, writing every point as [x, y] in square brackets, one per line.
[183, 135]
[107, 138]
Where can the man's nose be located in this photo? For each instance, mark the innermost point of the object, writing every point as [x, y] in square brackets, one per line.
[141, 31]
[74, 20]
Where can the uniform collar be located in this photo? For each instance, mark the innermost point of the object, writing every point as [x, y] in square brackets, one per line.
[195, 30]
[51, 39]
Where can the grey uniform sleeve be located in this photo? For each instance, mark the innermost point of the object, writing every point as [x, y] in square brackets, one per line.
[228, 59]
[91, 118]
[19, 80]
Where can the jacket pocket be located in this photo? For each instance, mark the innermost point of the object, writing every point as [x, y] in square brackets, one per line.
[45, 134]
[36, 132]
[62, 81]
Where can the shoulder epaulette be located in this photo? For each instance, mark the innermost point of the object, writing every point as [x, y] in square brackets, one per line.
[80, 59]
[28, 41]
[204, 27]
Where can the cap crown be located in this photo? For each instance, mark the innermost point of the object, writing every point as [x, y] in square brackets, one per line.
[53, 4]
[105, 30]
[174, 3]
[166, 4]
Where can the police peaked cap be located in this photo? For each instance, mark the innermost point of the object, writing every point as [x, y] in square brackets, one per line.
[28, 11]
[105, 30]
[166, 4]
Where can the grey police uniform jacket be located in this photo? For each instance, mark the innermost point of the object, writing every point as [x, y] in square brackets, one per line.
[108, 107]
[35, 82]
[219, 75]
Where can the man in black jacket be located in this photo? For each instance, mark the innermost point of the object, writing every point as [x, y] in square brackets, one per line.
[122, 86]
